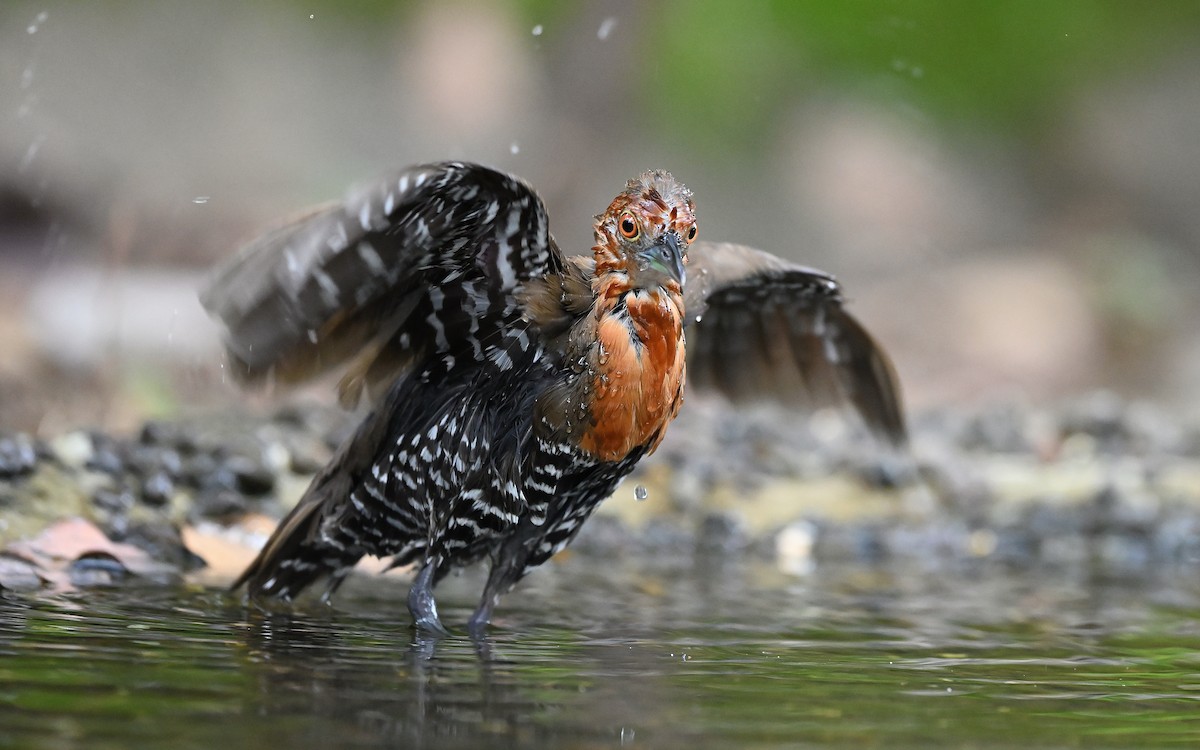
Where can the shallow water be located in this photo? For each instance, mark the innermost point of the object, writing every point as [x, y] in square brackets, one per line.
[630, 654]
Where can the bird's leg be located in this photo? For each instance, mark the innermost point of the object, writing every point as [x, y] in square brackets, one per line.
[477, 625]
[421, 603]
[506, 571]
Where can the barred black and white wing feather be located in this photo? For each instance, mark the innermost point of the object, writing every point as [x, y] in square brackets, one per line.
[764, 327]
[420, 262]
[494, 431]
[417, 273]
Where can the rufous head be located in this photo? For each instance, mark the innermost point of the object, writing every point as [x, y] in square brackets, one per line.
[645, 233]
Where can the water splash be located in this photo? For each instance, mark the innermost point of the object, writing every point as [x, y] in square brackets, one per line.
[31, 153]
[537, 30]
[37, 23]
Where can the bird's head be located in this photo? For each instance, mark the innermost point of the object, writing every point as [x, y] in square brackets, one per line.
[642, 239]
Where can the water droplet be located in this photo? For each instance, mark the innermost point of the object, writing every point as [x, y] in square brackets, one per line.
[917, 72]
[640, 493]
[312, 16]
[312, 335]
[31, 153]
[27, 77]
[606, 28]
[37, 22]
[537, 30]
[201, 199]
[514, 148]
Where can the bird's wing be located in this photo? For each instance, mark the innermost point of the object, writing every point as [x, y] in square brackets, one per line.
[761, 326]
[407, 266]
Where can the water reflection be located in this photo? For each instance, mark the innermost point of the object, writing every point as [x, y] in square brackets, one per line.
[373, 681]
[714, 656]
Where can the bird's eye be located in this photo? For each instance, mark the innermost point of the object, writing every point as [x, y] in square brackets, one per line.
[628, 226]
[691, 234]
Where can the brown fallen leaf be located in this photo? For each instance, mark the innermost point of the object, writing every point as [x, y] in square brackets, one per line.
[226, 549]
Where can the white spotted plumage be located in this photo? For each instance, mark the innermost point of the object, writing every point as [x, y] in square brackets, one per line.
[419, 285]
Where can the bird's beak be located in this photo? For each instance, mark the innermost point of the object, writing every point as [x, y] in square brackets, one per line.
[666, 257]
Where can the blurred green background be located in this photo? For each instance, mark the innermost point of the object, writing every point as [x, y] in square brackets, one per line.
[1007, 190]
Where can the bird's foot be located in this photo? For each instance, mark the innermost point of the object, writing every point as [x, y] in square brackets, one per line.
[422, 606]
[477, 626]
[430, 625]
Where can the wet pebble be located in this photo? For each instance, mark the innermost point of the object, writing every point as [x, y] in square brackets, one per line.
[145, 461]
[1015, 546]
[114, 501]
[1101, 416]
[73, 449]
[721, 533]
[18, 456]
[850, 543]
[197, 469]
[250, 476]
[794, 547]
[1000, 428]
[167, 435]
[220, 478]
[163, 542]
[19, 574]
[106, 455]
[97, 569]
[157, 489]
[217, 503]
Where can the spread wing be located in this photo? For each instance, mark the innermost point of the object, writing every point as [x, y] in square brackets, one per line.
[761, 326]
[421, 262]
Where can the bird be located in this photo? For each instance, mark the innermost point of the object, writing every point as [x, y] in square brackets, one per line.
[510, 386]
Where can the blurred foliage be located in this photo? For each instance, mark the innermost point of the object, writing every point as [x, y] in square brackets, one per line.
[733, 68]
[729, 70]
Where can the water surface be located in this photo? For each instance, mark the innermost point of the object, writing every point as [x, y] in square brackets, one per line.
[636, 653]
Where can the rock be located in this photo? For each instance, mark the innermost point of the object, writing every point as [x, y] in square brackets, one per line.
[106, 455]
[721, 534]
[19, 574]
[251, 477]
[163, 542]
[157, 490]
[114, 501]
[96, 569]
[18, 456]
[73, 449]
[794, 548]
[217, 503]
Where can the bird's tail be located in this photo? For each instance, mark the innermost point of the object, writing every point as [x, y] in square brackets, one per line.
[298, 554]
[317, 539]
